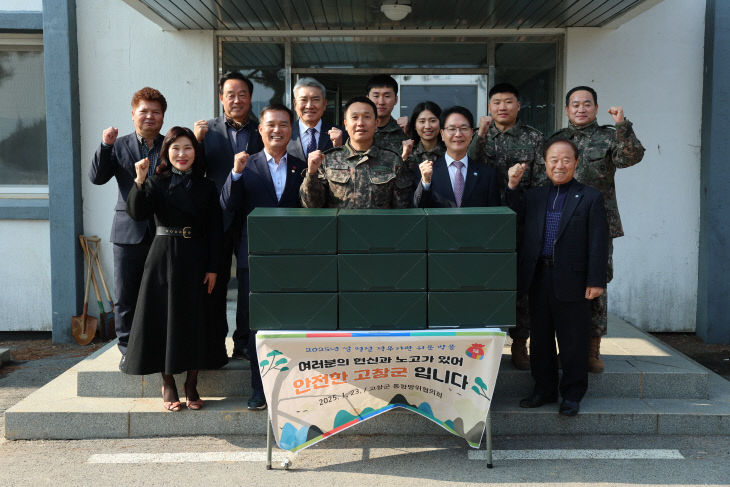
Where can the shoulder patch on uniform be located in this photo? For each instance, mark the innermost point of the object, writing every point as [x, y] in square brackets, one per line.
[610, 127]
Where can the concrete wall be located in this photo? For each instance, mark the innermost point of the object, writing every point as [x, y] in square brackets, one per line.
[25, 302]
[120, 51]
[22, 5]
[652, 66]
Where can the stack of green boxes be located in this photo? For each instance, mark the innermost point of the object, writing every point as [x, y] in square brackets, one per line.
[321, 269]
[471, 267]
[293, 268]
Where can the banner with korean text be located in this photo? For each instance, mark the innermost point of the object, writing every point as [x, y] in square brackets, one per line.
[320, 383]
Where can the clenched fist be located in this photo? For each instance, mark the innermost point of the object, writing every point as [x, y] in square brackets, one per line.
[335, 136]
[426, 168]
[484, 122]
[403, 124]
[617, 113]
[407, 148]
[141, 167]
[239, 162]
[109, 135]
[514, 174]
[200, 129]
[314, 162]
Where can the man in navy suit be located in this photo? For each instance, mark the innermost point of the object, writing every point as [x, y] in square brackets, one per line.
[310, 132]
[562, 264]
[233, 132]
[115, 158]
[455, 180]
[270, 178]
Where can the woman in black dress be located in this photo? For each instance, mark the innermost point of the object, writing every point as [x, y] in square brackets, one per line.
[169, 332]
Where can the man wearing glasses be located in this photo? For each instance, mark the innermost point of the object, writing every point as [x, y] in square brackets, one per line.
[455, 180]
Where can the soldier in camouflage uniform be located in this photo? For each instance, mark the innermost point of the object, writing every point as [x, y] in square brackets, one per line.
[603, 149]
[504, 141]
[383, 91]
[358, 174]
[425, 144]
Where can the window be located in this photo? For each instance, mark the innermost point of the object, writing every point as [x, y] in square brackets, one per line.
[23, 157]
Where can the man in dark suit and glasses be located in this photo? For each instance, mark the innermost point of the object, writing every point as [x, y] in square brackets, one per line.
[233, 132]
[563, 258]
[270, 178]
[455, 180]
[310, 133]
[115, 158]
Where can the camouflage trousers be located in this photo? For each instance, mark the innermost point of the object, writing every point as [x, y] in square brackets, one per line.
[599, 307]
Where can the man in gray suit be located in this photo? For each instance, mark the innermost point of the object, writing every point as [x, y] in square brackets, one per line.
[310, 132]
[115, 158]
[234, 132]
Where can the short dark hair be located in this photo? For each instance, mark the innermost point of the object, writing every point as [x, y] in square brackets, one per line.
[234, 75]
[360, 99]
[555, 140]
[277, 107]
[380, 81]
[461, 111]
[504, 88]
[422, 107]
[582, 88]
[164, 168]
[149, 94]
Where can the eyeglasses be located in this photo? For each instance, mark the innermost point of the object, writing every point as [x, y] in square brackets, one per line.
[453, 130]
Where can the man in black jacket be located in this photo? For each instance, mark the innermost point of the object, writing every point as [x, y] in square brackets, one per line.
[563, 258]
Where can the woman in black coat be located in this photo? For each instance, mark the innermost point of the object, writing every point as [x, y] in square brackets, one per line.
[169, 332]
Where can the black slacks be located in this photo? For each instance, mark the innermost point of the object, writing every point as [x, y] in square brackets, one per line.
[129, 262]
[570, 321]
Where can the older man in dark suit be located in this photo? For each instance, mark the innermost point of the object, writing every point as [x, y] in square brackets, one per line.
[270, 178]
[233, 132]
[115, 158]
[310, 132]
[455, 180]
[563, 258]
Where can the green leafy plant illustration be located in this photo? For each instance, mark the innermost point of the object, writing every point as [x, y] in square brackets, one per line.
[482, 389]
[267, 365]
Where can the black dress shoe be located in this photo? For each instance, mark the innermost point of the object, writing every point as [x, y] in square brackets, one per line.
[239, 354]
[257, 401]
[569, 408]
[536, 400]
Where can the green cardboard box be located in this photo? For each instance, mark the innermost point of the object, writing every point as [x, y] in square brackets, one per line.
[293, 311]
[382, 311]
[397, 230]
[381, 272]
[470, 309]
[471, 229]
[472, 271]
[292, 231]
[292, 273]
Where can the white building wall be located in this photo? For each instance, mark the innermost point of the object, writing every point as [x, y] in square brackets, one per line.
[22, 5]
[25, 302]
[652, 66]
[121, 51]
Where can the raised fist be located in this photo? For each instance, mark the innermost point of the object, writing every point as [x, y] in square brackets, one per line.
[515, 173]
[335, 136]
[407, 148]
[484, 122]
[109, 135]
[426, 168]
[403, 124]
[314, 161]
[617, 113]
[200, 129]
[239, 162]
[141, 167]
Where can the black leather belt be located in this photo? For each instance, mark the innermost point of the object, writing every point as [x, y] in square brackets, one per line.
[546, 261]
[184, 232]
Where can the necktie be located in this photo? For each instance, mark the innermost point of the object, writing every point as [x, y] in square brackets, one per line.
[458, 182]
[312, 146]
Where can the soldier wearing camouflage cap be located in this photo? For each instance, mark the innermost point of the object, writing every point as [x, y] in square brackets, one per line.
[603, 149]
[358, 174]
[505, 140]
